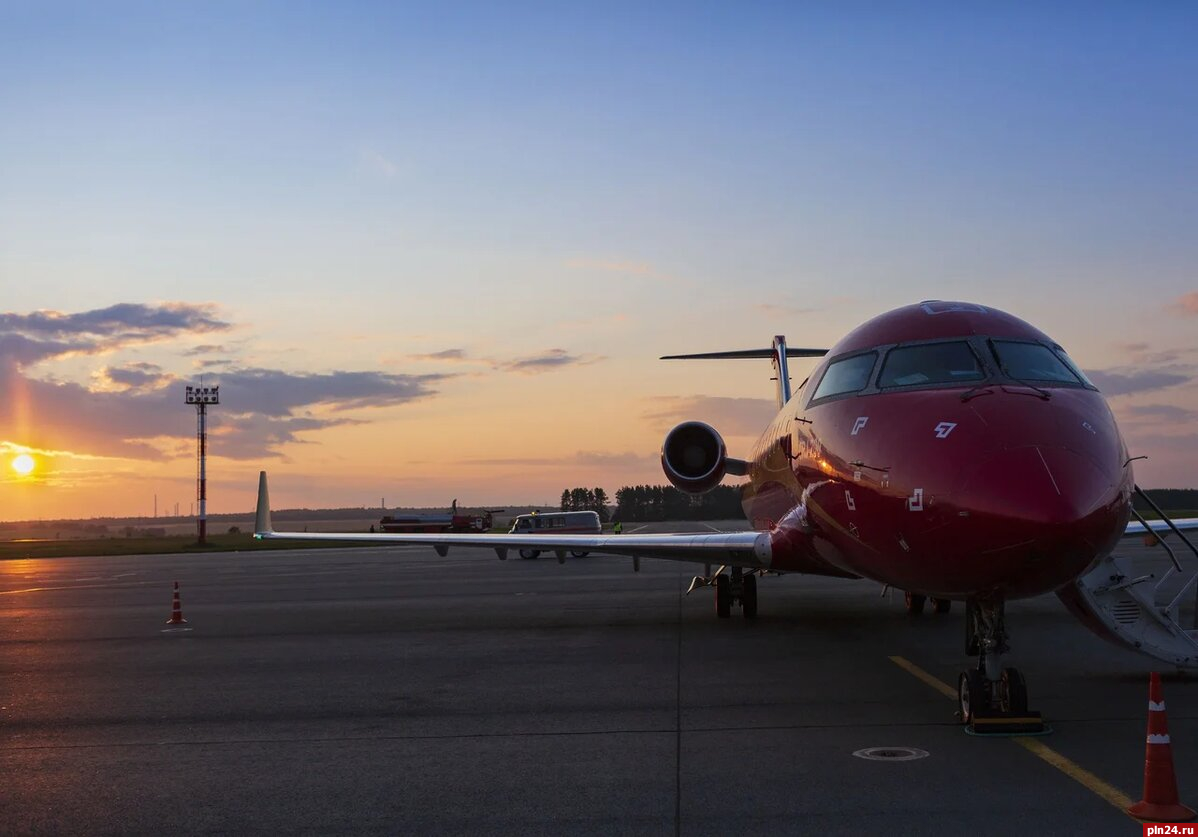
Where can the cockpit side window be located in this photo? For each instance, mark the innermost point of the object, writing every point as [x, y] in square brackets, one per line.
[932, 363]
[1073, 367]
[844, 376]
[1032, 362]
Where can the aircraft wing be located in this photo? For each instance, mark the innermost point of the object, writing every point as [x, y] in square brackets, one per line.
[741, 549]
[1185, 524]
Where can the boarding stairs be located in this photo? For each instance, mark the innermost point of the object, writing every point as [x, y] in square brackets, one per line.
[1144, 595]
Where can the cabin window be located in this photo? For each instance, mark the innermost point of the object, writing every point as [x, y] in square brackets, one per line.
[1032, 362]
[848, 375]
[932, 363]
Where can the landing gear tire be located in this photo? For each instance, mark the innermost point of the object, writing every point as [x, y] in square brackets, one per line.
[942, 605]
[723, 596]
[1014, 691]
[529, 553]
[971, 694]
[579, 554]
[914, 602]
[748, 598]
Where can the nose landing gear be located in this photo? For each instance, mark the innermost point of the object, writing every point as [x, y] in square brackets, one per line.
[993, 699]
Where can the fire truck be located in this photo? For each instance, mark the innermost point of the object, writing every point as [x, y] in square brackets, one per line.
[433, 523]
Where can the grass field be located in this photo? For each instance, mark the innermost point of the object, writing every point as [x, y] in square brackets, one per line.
[21, 549]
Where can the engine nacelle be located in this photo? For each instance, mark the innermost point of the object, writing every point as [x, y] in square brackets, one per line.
[694, 457]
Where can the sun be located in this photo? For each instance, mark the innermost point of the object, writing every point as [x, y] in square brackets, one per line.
[24, 464]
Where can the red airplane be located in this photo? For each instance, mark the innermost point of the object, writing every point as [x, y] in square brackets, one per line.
[947, 449]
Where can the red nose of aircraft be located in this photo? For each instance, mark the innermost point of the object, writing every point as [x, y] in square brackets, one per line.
[1038, 514]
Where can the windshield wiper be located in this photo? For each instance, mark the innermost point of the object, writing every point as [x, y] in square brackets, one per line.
[1040, 393]
[980, 389]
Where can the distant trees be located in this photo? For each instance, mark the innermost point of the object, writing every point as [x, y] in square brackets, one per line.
[664, 502]
[586, 499]
[657, 502]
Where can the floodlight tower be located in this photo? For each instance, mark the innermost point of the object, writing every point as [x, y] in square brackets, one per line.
[202, 396]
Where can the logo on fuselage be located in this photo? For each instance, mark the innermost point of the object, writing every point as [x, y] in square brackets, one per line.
[943, 429]
[915, 501]
[859, 425]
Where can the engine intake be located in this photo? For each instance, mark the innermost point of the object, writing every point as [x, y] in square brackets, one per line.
[694, 457]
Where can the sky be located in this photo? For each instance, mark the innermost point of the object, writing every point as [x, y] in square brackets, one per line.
[432, 250]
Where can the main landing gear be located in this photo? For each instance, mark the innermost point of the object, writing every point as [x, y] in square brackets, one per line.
[915, 603]
[992, 698]
[735, 586]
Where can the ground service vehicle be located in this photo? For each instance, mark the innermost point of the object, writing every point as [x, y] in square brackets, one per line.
[556, 523]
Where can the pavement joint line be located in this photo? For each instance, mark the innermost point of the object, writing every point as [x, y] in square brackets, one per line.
[1099, 787]
[561, 734]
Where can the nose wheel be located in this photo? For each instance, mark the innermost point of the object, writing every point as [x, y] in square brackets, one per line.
[992, 698]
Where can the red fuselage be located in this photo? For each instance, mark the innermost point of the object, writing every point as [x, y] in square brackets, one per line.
[954, 450]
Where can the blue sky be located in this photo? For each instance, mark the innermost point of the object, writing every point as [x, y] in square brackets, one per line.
[353, 185]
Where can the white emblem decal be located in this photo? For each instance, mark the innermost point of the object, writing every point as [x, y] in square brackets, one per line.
[857, 475]
[944, 428]
[859, 425]
[848, 501]
[1089, 427]
[915, 501]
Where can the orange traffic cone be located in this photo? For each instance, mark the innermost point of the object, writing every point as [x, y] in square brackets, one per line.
[176, 610]
[1160, 803]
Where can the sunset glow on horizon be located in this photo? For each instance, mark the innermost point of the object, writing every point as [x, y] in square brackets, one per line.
[436, 255]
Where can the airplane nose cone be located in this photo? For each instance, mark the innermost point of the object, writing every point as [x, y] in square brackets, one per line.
[1036, 485]
[1037, 516]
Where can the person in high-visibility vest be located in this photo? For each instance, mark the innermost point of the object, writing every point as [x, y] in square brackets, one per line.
[618, 528]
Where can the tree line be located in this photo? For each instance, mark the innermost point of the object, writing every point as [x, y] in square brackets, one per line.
[586, 499]
[657, 502]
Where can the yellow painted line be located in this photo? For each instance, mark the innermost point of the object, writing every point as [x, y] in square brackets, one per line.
[939, 685]
[1035, 746]
[1079, 774]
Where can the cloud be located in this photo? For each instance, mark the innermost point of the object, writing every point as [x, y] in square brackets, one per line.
[1133, 348]
[606, 458]
[137, 376]
[449, 355]
[1141, 354]
[1126, 380]
[1185, 306]
[534, 364]
[547, 360]
[729, 416]
[596, 459]
[1161, 412]
[26, 339]
[773, 309]
[204, 349]
[376, 162]
[261, 410]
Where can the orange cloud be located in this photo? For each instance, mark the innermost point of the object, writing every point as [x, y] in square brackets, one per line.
[1186, 305]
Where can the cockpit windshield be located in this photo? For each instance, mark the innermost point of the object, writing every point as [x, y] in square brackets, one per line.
[844, 376]
[1033, 362]
[932, 363]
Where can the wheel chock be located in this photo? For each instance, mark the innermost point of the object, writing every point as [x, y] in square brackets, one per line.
[992, 722]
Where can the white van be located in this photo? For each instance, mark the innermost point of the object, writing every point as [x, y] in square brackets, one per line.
[556, 523]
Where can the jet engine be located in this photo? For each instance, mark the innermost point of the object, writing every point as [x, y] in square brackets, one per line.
[695, 459]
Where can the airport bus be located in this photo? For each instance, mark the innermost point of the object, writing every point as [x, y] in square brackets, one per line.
[556, 523]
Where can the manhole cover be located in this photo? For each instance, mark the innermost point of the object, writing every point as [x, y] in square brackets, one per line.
[891, 754]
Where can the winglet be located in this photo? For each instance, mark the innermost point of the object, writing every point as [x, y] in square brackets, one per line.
[262, 521]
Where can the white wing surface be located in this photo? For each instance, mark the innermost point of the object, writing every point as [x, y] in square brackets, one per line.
[739, 549]
[1185, 524]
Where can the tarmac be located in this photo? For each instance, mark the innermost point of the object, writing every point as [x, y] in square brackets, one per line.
[393, 691]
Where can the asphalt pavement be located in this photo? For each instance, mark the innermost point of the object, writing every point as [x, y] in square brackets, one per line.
[393, 691]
